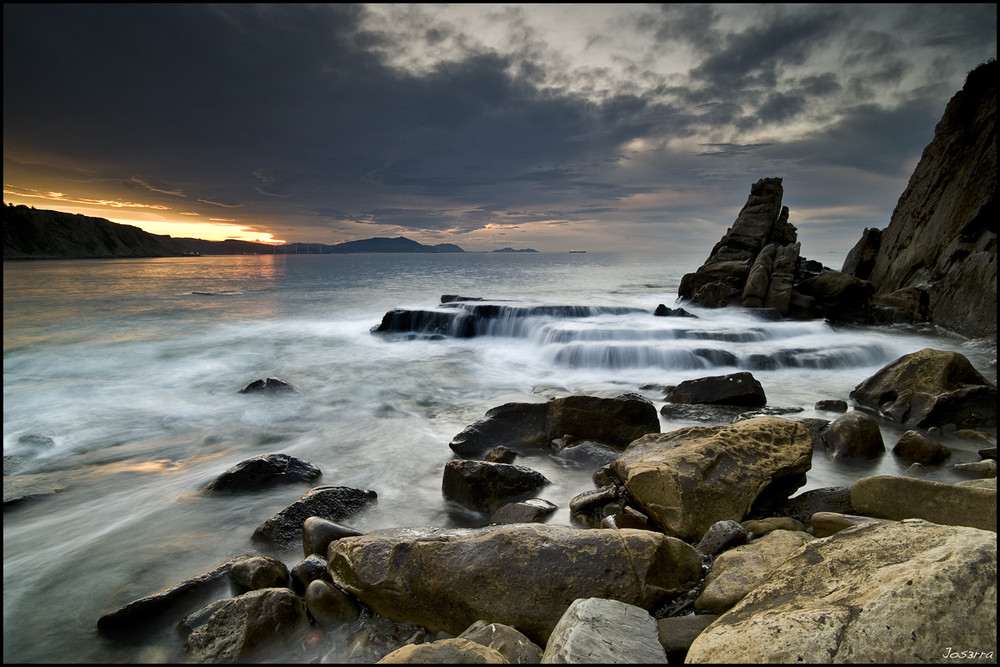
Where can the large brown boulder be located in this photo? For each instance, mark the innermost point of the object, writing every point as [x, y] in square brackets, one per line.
[930, 388]
[942, 235]
[525, 426]
[523, 575]
[688, 479]
[887, 593]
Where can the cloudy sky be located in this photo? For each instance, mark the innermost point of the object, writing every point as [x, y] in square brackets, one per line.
[601, 127]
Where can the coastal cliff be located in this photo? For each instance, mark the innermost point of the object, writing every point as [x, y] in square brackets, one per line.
[29, 233]
[936, 261]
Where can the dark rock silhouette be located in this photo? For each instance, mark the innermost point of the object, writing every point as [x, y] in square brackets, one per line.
[936, 261]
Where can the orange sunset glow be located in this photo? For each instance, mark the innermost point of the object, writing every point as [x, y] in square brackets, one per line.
[154, 218]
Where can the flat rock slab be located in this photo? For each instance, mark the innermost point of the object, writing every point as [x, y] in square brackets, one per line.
[890, 497]
[889, 593]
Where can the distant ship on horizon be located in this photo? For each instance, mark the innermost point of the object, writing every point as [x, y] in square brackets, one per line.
[578, 251]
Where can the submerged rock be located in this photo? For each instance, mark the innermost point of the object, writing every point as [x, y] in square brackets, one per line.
[269, 386]
[146, 612]
[263, 471]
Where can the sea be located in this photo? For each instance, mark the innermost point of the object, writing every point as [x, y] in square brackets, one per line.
[121, 395]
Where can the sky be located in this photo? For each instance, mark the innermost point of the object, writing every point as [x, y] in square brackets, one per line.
[546, 126]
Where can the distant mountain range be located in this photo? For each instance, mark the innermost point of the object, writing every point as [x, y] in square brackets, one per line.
[30, 233]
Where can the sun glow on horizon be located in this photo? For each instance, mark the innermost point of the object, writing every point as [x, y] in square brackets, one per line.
[149, 220]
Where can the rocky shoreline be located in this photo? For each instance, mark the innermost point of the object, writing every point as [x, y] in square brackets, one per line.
[687, 548]
[692, 545]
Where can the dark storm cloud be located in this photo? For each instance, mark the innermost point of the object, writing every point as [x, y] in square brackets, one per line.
[319, 113]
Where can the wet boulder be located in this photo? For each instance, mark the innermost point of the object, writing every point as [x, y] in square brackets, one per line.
[917, 447]
[284, 529]
[264, 471]
[854, 435]
[688, 479]
[531, 510]
[887, 593]
[522, 575]
[257, 625]
[930, 388]
[734, 389]
[329, 605]
[482, 486]
[255, 572]
[524, 426]
[318, 533]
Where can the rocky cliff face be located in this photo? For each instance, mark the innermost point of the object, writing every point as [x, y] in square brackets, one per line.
[936, 261]
[29, 233]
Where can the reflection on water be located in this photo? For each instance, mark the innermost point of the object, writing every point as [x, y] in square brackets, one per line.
[132, 369]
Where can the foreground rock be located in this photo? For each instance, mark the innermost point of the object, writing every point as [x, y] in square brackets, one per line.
[738, 571]
[891, 497]
[333, 503]
[512, 644]
[930, 388]
[453, 651]
[260, 624]
[599, 631]
[264, 471]
[688, 479]
[523, 575]
[524, 426]
[885, 593]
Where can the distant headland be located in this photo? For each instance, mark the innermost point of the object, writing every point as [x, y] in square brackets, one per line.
[30, 233]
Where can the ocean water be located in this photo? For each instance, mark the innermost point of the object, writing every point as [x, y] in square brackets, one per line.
[132, 369]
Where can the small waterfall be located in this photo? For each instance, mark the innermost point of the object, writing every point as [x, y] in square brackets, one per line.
[610, 338]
